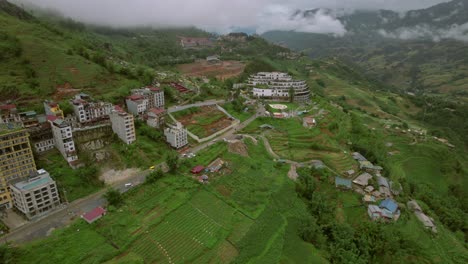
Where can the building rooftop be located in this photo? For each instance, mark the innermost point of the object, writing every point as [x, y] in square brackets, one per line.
[10, 127]
[157, 111]
[7, 107]
[42, 177]
[390, 205]
[341, 182]
[94, 214]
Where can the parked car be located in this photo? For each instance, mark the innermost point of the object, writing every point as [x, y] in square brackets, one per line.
[129, 184]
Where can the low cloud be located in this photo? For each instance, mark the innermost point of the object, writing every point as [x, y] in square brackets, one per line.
[457, 32]
[279, 17]
[219, 15]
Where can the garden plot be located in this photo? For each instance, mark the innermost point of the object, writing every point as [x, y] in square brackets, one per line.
[203, 121]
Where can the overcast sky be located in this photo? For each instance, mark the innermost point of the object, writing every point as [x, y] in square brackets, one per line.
[219, 15]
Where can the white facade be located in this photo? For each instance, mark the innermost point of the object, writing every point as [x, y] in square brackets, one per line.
[276, 86]
[137, 104]
[44, 145]
[154, 95]
[63, 138]
[156, 117]
[36, 195]
[123, 125]
[176, 136]
[87, 110]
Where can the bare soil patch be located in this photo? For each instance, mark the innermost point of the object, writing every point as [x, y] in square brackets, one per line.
[112, 176]
[222, 70]
[238, 147]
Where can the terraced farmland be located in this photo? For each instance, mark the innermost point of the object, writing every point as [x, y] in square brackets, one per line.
[182, 236]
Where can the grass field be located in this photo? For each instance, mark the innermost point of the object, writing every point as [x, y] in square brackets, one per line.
[290, 140]
[202, 121]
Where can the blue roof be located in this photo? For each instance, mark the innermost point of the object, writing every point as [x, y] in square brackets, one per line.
[342, 182]
[389, 204]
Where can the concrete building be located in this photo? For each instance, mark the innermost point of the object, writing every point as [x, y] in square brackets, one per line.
[137, 104]
[36, 195]
[88, 110]
[42, 137]
[154, 95]
[29, 119]
[123, 125]
[176, 136]
[16, 159]
[63, 138]
[53, 109]
[155, 117]
[9, 114]
[277, 85]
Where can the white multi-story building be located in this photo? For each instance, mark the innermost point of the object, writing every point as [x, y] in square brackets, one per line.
[36, 195]
[123, 125]
[176, 135]
[155, 117]
[63, 138]
[277, 86]
[137, 104]
[154, 95]
[88, 110]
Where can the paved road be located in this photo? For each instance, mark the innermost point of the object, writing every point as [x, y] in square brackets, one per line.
[68, 213]
[204, 103]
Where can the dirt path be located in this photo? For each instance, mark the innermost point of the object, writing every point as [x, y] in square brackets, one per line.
[292, 174]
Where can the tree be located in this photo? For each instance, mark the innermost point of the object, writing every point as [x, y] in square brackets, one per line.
[172, 160]
[8, 254]
[154, 176]
[291, 94]
[113, 197]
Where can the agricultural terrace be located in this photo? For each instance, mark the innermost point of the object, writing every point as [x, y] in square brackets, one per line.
[222, 70]
[290, 140]
[203, 121]
[244, 213]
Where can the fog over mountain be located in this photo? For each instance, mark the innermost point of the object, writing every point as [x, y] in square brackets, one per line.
[221, 15]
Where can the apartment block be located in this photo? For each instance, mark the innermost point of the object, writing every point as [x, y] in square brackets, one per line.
[137, 104]
[62, 132]
[53, 109]
[154, 95]
[277, 86]
[156, 117]
[36, 195]
[88, 110]
[176, 135]
[16, 159]
[123, 125]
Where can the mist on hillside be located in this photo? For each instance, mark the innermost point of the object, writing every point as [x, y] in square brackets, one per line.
[220, 16]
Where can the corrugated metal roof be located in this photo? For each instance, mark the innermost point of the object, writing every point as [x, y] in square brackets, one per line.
[389, 204]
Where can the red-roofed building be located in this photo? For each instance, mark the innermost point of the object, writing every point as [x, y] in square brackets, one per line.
[197, 169]
[188, 43]
[9, 114]
[155, 117]
[94, 214]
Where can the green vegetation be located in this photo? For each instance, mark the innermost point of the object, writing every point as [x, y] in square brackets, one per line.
[73, 184]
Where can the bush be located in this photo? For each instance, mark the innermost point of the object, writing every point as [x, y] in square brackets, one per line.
[114, 197]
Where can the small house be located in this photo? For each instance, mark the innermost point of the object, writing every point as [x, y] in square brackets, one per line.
[390, 205]
[363, 179]
[343, 183]
[368, 198]
[94, 214]
[309, 122]
[350, 172]
[197, 169]
[369, 189]
[203, 179]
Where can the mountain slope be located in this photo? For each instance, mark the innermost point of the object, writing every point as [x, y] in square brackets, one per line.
[417, 52]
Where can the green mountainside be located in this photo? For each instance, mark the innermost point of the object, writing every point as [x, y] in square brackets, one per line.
[251, 211]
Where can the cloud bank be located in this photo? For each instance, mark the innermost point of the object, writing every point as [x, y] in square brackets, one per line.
[458, 32]
[219, 15]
